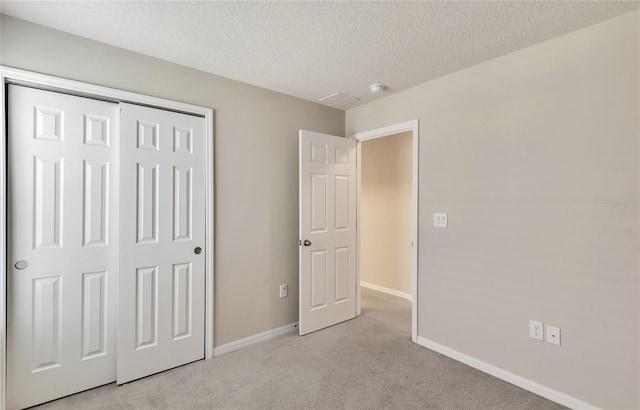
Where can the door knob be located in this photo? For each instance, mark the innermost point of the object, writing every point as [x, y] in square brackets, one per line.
[307, 242]
[197, 250]
[20, 265]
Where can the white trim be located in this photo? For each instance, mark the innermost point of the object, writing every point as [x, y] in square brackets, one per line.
[209, 237]
[358, 228]
[412, 126]
[3, 248]
[255, 339]
[16, 76]
[386, 131]
[388, 291]
[509, 377]
[300, 221]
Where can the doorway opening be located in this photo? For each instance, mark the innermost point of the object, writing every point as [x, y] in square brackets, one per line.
[387, 216]
[385, 213]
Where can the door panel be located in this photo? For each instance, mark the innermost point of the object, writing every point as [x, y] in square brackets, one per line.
[318, 203]
[327, 221]
[161, 287]
[318, 279]
[96, 181]
[61, 307]
[46, 323]
[94, 314]
[342, 274]
[181, 300]
[47, 185]
[147, 203]
[146, 306]
[182, 188]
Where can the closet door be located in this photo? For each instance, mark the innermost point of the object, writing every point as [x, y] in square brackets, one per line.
[62, 245]
[161, 286]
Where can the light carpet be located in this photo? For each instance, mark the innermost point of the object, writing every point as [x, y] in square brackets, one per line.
[365, 363]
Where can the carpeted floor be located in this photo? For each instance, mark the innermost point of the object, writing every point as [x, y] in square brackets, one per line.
[366, 363]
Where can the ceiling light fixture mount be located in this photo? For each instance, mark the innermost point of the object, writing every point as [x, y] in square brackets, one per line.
[376, 88]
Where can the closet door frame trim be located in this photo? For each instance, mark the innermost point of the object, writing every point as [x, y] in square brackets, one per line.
[9, 75]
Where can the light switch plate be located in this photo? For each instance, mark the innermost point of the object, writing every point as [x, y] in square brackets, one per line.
[440, 220]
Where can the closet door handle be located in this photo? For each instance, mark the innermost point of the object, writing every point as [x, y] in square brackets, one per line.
[307, 242]
[197, 250]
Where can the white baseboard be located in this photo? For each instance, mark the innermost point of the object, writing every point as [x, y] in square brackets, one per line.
[251, 340]
[519, 381]
[386, 290]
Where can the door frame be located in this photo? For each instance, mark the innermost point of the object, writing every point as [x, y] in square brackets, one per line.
[9, 75]
[412, 126]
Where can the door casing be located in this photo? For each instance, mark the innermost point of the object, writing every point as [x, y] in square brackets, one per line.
[412, 126]
[10, 75]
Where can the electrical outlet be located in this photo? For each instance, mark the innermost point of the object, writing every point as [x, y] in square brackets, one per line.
[553, 335]
[536, 330]
[284, 290]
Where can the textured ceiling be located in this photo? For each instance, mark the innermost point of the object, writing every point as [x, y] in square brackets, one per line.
[314, 49]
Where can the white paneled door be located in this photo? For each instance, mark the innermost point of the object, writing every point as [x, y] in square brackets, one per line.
[62, 250]
[106, 239]
[161, 283]
[327, 230]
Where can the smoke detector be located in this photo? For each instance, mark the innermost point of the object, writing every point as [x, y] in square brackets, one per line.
[376, 88]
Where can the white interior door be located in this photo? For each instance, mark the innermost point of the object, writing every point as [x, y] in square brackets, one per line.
[327, 230]
[161, 287]
[62, 245]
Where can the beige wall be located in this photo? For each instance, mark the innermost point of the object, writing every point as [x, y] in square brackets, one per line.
[385, 211]
[256, 163]
[535, 156]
